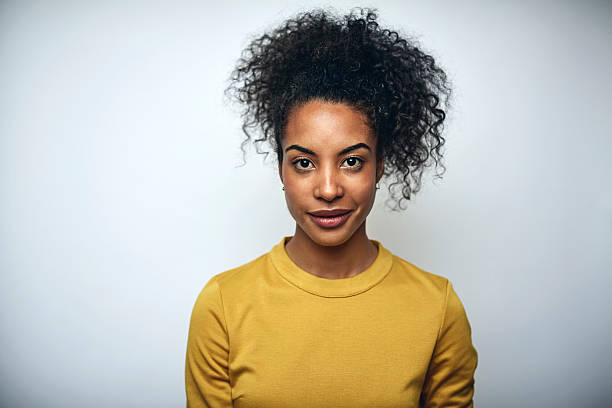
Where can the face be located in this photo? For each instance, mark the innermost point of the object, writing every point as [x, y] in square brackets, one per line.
[329, 163]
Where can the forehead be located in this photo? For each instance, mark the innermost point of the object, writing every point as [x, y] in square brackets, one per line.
[327, 125]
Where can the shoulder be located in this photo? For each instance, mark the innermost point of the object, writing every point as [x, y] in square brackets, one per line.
[433, 292]
[418, 279]
[243, 274]
[422, 287]
[236, 279]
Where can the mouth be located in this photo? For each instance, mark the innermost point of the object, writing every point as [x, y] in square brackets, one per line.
[330, 218]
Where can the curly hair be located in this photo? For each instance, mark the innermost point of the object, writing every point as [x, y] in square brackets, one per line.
[351, 59]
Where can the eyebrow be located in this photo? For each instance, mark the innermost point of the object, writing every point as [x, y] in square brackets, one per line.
[346, 150]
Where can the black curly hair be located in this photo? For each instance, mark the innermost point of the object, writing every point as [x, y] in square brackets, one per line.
[349, 59]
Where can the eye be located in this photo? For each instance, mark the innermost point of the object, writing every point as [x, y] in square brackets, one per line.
[353, 162]
[302, 164]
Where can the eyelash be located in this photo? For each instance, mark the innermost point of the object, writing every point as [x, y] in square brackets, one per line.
[357, 166]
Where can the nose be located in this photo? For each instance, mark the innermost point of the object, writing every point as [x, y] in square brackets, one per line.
[329, 186]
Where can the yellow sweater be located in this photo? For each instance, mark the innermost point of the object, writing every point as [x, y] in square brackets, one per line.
[269, 334]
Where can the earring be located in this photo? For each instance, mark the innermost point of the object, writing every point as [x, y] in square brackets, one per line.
[283, 188]
[377, 186]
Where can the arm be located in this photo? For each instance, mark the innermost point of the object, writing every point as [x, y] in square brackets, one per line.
[206, 366]
[450, 378]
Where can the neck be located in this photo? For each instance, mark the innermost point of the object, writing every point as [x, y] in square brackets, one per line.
[332, 262]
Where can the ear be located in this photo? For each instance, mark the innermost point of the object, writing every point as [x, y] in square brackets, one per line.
[380, 169]
[280, 171]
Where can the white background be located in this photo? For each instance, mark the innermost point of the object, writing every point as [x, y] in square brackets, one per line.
[121, 196]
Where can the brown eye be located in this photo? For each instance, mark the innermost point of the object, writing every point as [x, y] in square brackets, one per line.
[353, 162]
[302, 164]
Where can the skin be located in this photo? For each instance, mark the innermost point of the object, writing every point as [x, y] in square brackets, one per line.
[329, 179]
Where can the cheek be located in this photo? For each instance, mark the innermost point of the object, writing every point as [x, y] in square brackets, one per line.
[366, 195]
[291, 186]
[295, 184]
[363, 188]
[293, 195]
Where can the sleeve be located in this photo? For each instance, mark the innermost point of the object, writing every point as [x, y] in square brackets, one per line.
[206, 367]
[449, 381]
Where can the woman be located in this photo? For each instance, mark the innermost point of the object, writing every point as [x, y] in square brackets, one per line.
[328, 317]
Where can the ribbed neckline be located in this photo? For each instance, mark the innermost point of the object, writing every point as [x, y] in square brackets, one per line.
[316, 285]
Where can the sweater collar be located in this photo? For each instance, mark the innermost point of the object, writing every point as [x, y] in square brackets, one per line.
[324, 287]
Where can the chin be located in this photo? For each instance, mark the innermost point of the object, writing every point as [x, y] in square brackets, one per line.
[329, 241]
[329, 237]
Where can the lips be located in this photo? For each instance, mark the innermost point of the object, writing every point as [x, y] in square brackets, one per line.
[329, 213]
[330, 218]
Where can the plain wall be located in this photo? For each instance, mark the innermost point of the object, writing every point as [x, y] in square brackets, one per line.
[120, 194]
